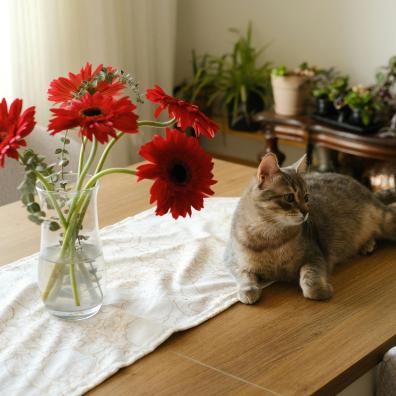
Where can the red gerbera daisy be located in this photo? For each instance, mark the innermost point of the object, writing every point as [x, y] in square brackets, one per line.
[14, 127]
[65, 89]
[185, 113]
[182, 171]
[96, 115]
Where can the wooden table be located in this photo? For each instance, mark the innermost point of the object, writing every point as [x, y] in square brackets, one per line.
[284, 345]
[310, 132]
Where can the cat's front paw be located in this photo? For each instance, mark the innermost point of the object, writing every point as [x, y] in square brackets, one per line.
[318, 292]
[368, 248]
[249, 296]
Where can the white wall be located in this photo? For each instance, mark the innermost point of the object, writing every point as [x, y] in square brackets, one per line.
[356, 36]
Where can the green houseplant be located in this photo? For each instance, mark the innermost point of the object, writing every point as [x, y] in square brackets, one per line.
[202, 84]
[328, 87]
[242, 82]
[290, 88]
[385, 88]
[364, 105]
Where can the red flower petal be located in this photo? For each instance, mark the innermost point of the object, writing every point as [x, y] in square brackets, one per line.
[63, 90]
[185, 113]
[14, 127]
[96, 115]
[181, 170]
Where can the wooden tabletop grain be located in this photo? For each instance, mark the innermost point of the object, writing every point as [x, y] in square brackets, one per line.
[284, 345]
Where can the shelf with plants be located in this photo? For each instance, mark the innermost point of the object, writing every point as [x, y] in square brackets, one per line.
[360, 109]
[238, 84]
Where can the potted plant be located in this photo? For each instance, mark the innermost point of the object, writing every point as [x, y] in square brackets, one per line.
[385, 88]
[328, 87]
[290, 89]
[242, 83]
[364, 105]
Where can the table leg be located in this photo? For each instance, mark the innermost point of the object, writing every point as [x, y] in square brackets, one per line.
[309, 153]
[272, 145]
[325, 159]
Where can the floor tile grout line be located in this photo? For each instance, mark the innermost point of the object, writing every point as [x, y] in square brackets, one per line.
[225, 373]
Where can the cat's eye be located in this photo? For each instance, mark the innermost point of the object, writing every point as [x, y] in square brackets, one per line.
[289, 197]
[306, 197]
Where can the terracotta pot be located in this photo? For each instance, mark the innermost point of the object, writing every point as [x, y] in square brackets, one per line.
[291, 94]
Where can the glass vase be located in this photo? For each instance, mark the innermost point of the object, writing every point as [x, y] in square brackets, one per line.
[71, 269]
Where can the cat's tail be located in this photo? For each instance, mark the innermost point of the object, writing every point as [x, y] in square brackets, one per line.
[386, 196]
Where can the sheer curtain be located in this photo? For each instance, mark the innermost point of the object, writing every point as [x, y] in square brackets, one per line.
[43, 39]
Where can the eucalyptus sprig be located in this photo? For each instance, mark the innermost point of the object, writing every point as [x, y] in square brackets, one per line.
[109, 75]
[132, 83]
[36, 169]
[63, 157]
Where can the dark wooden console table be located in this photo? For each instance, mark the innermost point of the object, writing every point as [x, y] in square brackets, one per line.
[310, 132]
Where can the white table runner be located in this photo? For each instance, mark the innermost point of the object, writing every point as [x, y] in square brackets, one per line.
[162, 276]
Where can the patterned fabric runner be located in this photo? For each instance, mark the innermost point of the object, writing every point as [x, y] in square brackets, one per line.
[163, 276]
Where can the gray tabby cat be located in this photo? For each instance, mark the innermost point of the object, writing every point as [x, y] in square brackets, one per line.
[295, 226]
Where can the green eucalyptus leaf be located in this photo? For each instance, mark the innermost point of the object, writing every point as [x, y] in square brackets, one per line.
[27, 198]
[35, 219]
[33, 207]
[64, 163]
[54, 226]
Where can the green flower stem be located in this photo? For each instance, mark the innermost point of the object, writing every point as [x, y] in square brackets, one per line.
[81, 176]
[156, 124]
[113, 141]
[68, 243]
[92, 181]
[72, 274]
[80, 179]
[48, 188]
[56, 272]
[84, 201]
[106, 152]
[82, 154]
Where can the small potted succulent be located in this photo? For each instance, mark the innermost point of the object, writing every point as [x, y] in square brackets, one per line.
[291, 88]
[328, 87]
[364, 105]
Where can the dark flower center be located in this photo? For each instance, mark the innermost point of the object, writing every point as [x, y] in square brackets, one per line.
[179, 173]
[92, 112]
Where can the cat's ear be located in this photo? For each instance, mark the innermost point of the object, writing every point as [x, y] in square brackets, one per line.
[268, 168]
[301, 165]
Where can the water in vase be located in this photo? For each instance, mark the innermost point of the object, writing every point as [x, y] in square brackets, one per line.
[72, 288]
